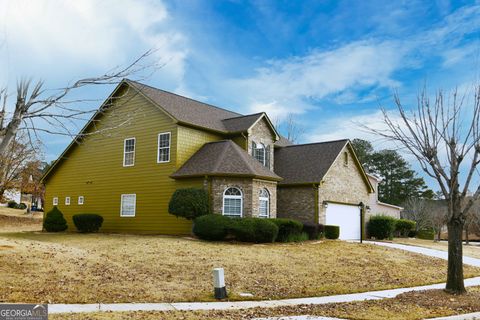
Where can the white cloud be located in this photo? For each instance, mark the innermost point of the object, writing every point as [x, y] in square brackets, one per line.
[68, 39]
[290, 85]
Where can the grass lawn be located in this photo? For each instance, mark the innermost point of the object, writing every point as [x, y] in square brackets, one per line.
[14, 220]
[87, 268]
[407, 306]
[472, 250]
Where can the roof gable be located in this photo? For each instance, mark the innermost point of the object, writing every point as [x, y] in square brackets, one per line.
[309, 163]
[223, 158]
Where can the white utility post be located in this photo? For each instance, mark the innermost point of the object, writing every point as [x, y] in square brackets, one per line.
[219, 283]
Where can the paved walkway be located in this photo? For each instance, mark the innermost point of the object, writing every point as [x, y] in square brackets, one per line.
[235, 305]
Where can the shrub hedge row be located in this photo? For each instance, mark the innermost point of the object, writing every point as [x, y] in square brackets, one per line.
[215, 227]
[383, 227]
[426, 234]
[87, 222]
[332, 232]
[54, 221]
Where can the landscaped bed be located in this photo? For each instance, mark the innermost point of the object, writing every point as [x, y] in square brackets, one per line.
[87, 268]
[407, 306]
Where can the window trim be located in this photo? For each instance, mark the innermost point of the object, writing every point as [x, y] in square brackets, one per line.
[55, 201]
[267, 199]
[169, 146]
[264, 149]
[80, 203]
[224, 196]
[67, 201]
[134, 205]
[134, 149]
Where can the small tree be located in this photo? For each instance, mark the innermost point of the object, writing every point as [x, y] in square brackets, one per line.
[54, 221]
[189, 203]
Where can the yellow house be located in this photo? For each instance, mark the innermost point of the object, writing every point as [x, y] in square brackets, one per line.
[144, 143]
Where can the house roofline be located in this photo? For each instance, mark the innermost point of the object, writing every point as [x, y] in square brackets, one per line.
[389, 205]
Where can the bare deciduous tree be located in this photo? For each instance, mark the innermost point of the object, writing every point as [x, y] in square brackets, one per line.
[37, 110]
[444, 136]
[293, 129]
[13, 162]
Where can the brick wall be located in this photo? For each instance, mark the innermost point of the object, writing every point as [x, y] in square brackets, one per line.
[250, 189]
[296, 203]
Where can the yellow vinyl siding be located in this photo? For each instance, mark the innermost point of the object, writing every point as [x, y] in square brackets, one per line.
[190, 141]
[94, 169]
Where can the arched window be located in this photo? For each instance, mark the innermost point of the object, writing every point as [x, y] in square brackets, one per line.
[264, 204]
[232, 202]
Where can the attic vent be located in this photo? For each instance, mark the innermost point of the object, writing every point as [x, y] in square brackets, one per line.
[345, 159]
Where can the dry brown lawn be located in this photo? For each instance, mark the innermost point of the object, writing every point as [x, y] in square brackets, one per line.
[87, 268]
[15, 220]
[471, 250]
[407, 306]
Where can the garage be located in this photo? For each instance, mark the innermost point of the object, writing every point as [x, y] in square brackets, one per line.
[347, 217]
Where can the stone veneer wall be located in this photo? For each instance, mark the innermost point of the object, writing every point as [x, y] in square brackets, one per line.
[250, 189]
[343, 183]
[296, 203]
[261, 133]
[271, 186]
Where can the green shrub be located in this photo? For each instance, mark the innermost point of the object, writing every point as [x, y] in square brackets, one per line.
[255, 230]
[332, 232]
[12, 204]
[412, 233]
[21, 206]
[313, 230]
[404, 226]
[54, 221]
[426, 234]
[297, 237]
[214, 227]
[189, 203]
[287, 228]
[381, 227]
[87, 222]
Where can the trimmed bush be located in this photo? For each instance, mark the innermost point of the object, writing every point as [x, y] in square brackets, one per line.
[189, 203]
[404, 226]
[287, 229]
[313, 230]
[54, 221]
[300, 237]
[213, 227]
[12, 204]
[21, 206]
[381, 227]
[87, 222]
[426, 234]
[254, 230]
[332, 232]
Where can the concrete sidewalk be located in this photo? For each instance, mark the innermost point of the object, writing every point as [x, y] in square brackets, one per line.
[235, 305]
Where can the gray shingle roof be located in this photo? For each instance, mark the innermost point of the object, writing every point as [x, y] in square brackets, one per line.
[223, 158]
[187, 110]
[241, 123]
[306, 163]
[283, 142]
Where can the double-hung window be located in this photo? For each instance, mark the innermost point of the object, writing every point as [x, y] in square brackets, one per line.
[129, 152]
[55, 201]
[261, 153]
[81, 200]
[127, 205]
[163, 147]
[232, 202]
[67, 201]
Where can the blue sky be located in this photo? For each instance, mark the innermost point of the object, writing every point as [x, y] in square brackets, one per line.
[330, 63]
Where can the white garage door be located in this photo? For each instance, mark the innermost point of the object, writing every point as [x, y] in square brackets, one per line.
[347, 218]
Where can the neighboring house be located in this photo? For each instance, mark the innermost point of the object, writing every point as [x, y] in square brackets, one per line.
[153, 142]
[12, 195]
[378, 207]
